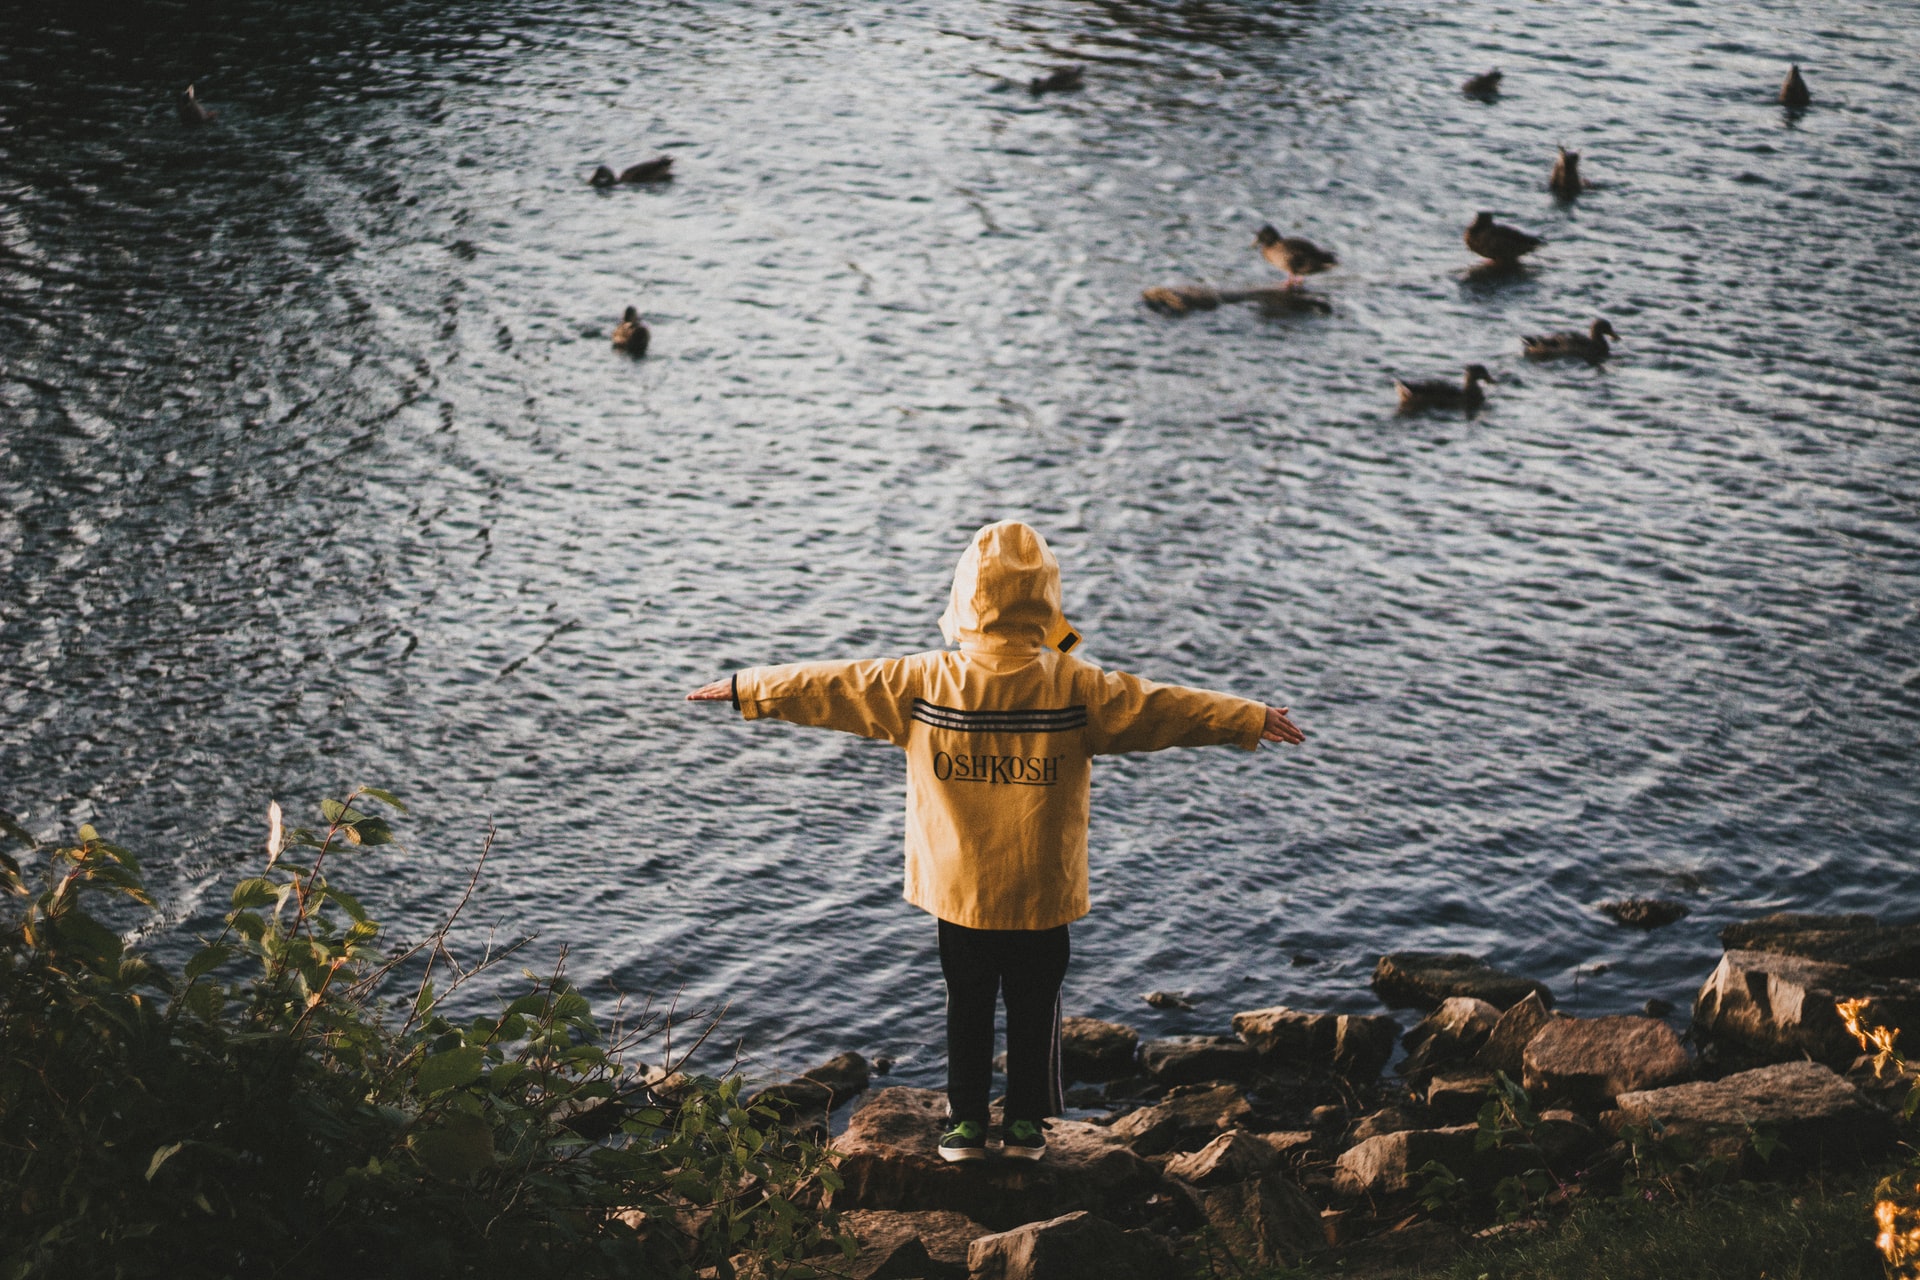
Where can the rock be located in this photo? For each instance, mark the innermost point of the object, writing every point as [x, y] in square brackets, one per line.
[1184, 1123]
[1287, 1035]
[1857, 941]
[1423, 979]
[1388, 1165]
[821, 1089]
[1097, 1051]
[1450, 1034]
[1655, 1007]
[1194, 1059]
[887, 1159]
[1075, 1246]
[1167, 1000]
[1354, 1046]
[1362, 1043]
[1234, 1156]
[1565, 1140]
[1817, 1116]
[1086, 1097]
[1508, 1040]
[931, 1244]
[1585, 1063]
[1292, 1147]
[1263, 1222]
[1456, 1098]
[1646, 913]
[1781, 1007]
[1391, 1119]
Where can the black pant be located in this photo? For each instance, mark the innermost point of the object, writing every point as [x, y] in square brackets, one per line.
[1027, 965]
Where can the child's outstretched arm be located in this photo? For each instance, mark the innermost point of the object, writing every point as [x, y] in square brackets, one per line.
[1279, 728]
[872, 697]
[1126, 713]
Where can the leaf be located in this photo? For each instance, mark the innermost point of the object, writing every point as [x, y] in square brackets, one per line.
[276, 832]
[372, 831]
[459, 1148]
[533, 1004]
[335, 812]
[161, 1156]
[246, 922]
[207, 959]
[384, 797]
[255, 891]
[450, 1070]
[87, 834]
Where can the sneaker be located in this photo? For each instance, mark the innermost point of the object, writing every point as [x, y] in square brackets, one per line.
[1023, 1140]
[967, 1140]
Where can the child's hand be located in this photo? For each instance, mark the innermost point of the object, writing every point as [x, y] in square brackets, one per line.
[722, 691]
[1279, 728]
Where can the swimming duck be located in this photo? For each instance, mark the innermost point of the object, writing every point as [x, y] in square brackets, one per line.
[1566, 179]
[1499, 243]
[1483, 86]
[603, 177]
[1794, 92]
[1441, 394]
[1591, 345]
[1296, 256]
[631, 335]
[1058, 80]
[190, 109]
[658, 169]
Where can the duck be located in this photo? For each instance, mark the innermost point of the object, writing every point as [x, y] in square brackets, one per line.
[631, 334]
[1483, 86]
[1793, 91]
[1438, 393]
[190, 109]
[1058, 80]
[603, 177]
[1566, 179]
[658, 169]
[1499, 243]
[1294, 255]
[1590, 346]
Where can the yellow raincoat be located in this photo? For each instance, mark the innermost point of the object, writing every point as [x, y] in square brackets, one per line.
[1000, 736]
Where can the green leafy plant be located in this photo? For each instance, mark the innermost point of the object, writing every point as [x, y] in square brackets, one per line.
[275, 1108]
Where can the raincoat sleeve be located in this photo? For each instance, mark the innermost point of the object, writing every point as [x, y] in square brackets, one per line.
[1126, 713]
[872, 697]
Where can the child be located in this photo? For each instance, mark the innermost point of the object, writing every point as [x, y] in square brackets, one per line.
[1000, 737]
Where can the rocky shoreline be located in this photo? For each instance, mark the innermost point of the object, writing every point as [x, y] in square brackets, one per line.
[1304, 1134]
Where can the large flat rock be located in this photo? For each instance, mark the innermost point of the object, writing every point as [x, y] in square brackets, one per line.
[888, 1159]
[1356, 1046]
[1198, 1059]
[1857, 941]
[1422, 979]
[1585, 1063]
[1389, 1164]
[1780, 1007]
[1817, 1116]
[1073, 1246]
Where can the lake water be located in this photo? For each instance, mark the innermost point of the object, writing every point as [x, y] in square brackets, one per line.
[317, 468]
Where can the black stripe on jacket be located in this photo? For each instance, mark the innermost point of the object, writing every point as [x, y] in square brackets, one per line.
[1039, 720]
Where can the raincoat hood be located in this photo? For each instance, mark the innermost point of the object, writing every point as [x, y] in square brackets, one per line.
[1006, 593]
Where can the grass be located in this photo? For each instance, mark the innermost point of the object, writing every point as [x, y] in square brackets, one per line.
[1820, 1230]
